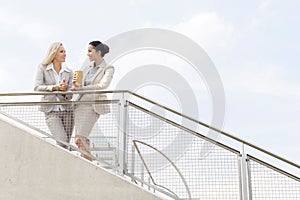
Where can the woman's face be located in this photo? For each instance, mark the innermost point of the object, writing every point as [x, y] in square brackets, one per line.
[60, 55]
[92, 53]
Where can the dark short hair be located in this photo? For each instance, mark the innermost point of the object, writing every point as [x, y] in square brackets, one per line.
[99, 46]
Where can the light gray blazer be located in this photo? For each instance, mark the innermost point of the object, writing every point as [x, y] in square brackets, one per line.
[45, 80]
[100, 81]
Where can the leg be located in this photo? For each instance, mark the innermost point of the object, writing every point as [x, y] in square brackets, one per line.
[85, 118]
[68, 123]
[83, 144]
[55, 125]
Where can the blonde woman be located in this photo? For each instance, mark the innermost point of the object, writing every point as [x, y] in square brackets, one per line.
[96, 76]
[52, 75]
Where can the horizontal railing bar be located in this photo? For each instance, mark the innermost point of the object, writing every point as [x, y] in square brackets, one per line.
[66, 92]
[273, 167]
[60, 103]
[93, 137]
[184, 128]
[103, 148]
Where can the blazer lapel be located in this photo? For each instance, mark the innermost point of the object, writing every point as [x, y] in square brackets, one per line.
[85, 70]
[50, 74]
[102, 66]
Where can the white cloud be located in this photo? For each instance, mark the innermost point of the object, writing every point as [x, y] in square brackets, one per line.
[209, 30]
[212, 32]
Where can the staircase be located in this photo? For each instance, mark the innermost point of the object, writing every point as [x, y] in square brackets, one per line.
[139, 153]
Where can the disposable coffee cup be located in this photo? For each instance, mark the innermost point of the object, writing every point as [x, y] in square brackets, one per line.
[78, 74]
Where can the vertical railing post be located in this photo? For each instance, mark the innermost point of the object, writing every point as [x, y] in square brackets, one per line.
[249, 179]
[122, 158]
[244, 179]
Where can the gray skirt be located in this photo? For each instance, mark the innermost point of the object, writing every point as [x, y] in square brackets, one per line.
[85, 119]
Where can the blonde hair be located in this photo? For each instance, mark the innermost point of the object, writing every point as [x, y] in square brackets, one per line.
[51, 53]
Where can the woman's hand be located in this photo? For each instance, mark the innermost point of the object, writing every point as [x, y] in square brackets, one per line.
[74, 79]
[74, 86]
[63, 86]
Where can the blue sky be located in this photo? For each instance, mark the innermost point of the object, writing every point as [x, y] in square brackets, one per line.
[253, 44]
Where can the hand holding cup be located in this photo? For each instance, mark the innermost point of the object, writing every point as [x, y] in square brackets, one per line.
[77, 79]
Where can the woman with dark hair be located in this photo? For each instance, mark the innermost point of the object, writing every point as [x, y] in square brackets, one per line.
[96, 76]
[51, 76]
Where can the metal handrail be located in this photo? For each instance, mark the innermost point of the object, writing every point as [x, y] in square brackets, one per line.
[60, 102]
[65, 92]
[184, 128]
[273, 167]
[166, 108]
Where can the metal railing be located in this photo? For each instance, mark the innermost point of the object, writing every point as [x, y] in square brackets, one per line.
[167, 152]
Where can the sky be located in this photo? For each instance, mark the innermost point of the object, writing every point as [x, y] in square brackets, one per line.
[254, 46]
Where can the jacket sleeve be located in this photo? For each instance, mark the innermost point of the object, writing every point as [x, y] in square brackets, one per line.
[103, 82]
[39, 84]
